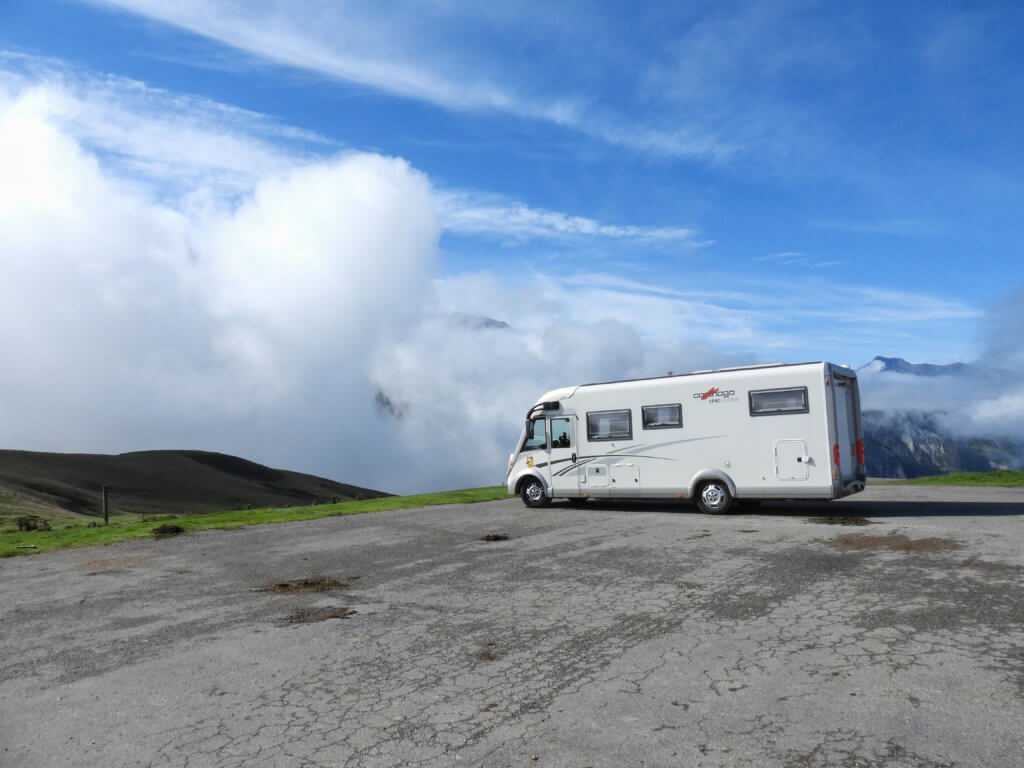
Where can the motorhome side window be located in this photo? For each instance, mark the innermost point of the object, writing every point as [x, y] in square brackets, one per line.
[610, 425]
[536, 437]
[560, 433]
[662, 416]
[772, 402]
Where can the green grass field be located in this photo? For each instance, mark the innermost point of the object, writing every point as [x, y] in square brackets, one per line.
[33, 542]
[1002, 477]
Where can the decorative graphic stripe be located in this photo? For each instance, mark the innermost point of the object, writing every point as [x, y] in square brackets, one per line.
[623, 452]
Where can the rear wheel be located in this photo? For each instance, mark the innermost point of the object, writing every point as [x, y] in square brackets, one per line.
[532, 492]
[713, 498]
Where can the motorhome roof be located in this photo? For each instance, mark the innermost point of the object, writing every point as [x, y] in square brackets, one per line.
[704, 373]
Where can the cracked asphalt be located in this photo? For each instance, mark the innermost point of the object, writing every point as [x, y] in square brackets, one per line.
[601, 635]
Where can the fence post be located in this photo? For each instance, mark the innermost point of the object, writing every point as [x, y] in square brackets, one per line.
[106, 512]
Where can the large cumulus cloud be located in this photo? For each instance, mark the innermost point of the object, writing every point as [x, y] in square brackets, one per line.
[130, 322]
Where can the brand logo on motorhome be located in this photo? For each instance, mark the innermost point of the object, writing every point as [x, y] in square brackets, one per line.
[715, 395]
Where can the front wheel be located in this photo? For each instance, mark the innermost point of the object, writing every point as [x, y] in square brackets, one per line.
[532, 493]
[713, 498]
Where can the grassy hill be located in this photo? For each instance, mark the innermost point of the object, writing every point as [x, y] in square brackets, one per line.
[65, 488]
[81, 534]
[1001, 477]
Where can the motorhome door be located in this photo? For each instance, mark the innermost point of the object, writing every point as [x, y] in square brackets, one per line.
[562, 473]
[844, 396]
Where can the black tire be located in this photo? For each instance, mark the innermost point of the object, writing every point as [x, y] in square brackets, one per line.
[713, 497]
[533, 494]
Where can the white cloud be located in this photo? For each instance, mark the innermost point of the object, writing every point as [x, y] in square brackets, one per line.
[463, 392]
[200, 149]
[478, 214]
[129, 322]
[154, 135]
[418, 51]
[983, 403]
[796, 259]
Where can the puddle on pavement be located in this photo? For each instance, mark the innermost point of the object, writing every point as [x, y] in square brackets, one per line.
[495, 537]
[312, 584]
[896, 542]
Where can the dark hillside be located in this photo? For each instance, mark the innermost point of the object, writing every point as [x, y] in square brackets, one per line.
[156, 482]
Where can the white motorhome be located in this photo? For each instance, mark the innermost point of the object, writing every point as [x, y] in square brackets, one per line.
[713, 437]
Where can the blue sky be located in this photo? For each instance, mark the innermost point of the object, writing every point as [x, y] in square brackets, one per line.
[631, 190]
[871, 146]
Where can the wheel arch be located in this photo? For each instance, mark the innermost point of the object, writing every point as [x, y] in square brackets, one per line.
[532, 476]
[711, 474]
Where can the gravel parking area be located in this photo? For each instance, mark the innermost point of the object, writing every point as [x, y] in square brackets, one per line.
[884, 629]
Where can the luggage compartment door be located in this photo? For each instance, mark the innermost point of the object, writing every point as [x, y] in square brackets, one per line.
[791, 460]
[595, 478]
[625, 479]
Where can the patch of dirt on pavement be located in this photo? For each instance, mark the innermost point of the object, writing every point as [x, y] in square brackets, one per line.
[495, 537]
[313, 615]
[840, 520]
[311, 584]
[487, 652]
[166, 531]
[896, 542]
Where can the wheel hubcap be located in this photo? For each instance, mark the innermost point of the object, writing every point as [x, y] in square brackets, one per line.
[534, 492]
[712, 496]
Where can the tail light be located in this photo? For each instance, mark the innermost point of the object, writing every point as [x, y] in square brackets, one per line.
[835, 454]
[860, 452]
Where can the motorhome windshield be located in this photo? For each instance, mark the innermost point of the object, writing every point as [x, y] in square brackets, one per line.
[536, 437]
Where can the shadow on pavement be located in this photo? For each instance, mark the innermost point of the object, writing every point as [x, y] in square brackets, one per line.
[844, 508]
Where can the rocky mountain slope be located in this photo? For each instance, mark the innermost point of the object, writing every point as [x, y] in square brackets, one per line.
[912, 443]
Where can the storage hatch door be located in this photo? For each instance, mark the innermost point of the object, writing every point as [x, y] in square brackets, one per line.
[791, 460]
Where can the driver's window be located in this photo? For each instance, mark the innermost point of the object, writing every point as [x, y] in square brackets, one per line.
[535, 436]
[561, 436]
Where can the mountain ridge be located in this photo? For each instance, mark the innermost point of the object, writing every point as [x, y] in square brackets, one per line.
[156, 482]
